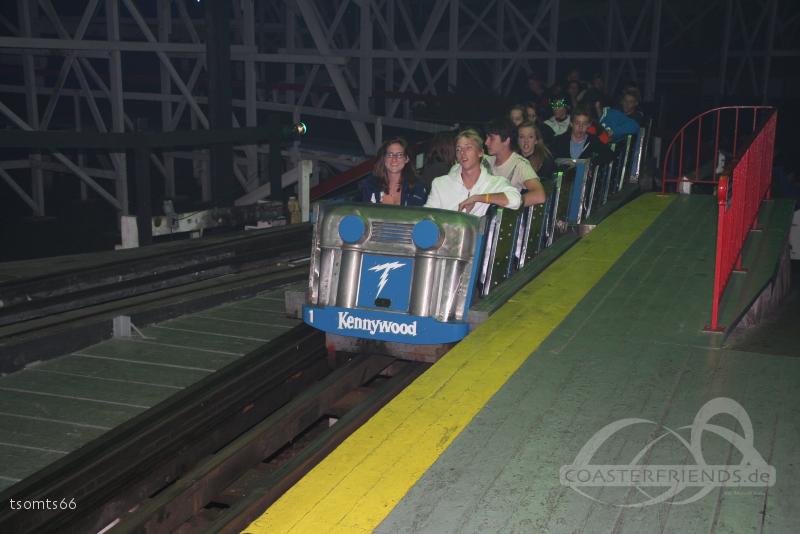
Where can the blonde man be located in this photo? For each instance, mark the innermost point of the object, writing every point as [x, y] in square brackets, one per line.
[469, 187]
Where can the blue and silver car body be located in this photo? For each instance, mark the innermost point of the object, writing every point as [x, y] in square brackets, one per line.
[392, 274]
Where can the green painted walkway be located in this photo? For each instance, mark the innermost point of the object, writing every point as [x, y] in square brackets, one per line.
[633, 348]
[52, 408]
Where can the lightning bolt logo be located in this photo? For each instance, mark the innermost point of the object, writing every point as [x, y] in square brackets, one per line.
[386, 268]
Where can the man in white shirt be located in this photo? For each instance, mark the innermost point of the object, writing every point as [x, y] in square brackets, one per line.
[468, 186]
[505, 162]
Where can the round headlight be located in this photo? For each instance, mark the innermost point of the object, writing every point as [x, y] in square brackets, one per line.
[351, 229]
[425, 234]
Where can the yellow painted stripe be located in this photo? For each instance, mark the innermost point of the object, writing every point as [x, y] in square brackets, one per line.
[359, 483]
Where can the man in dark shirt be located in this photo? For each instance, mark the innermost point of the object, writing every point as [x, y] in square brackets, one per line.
[577, 143]
[630, 105]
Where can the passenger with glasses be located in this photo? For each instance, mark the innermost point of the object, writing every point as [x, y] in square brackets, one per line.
[394, 179]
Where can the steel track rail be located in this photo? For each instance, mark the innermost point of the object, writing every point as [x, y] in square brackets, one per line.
[168, 510]
[267, 489]
[159, 268]
[57, 334]
[111, 474]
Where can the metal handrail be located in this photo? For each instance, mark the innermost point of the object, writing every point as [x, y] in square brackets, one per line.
[680, 135]
[739, 200]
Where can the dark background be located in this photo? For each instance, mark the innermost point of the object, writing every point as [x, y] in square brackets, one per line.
[687, 84]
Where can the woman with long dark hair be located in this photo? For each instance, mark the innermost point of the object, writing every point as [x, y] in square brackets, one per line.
[393, 179]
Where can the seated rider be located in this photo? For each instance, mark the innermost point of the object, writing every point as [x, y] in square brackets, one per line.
[393, 179]
[546, 133]
[630, 105]
[560, 121]
[517, 114]
[577, 143]
[531, 146]
[505, 162]
[468, 186]
[613, 121]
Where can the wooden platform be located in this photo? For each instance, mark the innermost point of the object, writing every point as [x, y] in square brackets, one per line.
[632, 349]
[611, 330]
[51, 408]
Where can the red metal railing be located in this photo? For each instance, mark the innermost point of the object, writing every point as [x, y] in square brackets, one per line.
[736, 120]
[342, 179]
[739, 201]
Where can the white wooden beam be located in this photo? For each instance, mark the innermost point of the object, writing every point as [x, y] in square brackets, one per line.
[18, 190]
[167, 62]
[652, 63]
[164, 8]
[115, 95]
[24, 9]
[317, 34]
[365, 80]
[553, 42]
[452, 43]
[5, 110]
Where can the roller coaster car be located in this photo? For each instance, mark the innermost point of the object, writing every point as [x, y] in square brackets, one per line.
[392, 280]
[400, 281]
